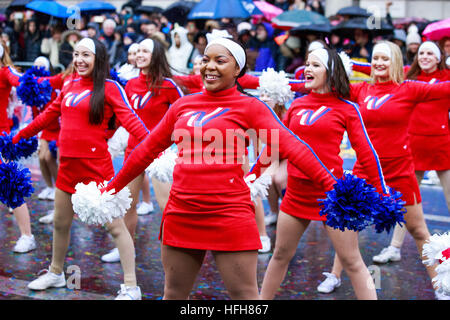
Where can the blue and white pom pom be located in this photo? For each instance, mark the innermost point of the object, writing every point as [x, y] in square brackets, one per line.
[96, 208]
[33, 93]
[390, 211]
[118, 142]
[162, 167]
[259, 188]
[15, 184]
[351, 204]
[347, 62]
[115, 76]
[13, 152]
[437, 251]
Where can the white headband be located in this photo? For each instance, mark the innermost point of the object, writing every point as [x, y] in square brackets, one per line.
[88, 43]
[43, 60]
[236, 50]
[431, 46]
[133, 48]
[314, 46]
[148, 44]
[322, 54]
[2, 51]
[382, 48]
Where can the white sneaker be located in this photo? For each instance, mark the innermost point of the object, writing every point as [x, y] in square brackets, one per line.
[388, 254]
[48, 218]
[112, 256]
[25, 244]
[271, 218]
[329, 284]
[48, 280]
[129, 293]
[51, 194]
[266, 245]
[441, 296]
[44, 193]
[145, 208]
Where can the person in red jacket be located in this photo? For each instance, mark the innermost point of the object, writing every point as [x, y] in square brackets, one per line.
[150, 94]
[209, 206]
[86, 106]
[429, 134]
[386, 105]
[321, 118]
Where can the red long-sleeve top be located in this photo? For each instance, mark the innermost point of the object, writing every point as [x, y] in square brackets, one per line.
[78, 138]
[150, 106]
[9, 77]
[200, 124]
[386, 108]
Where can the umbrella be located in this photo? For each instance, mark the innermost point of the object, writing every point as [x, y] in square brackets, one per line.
[297, 18]
[251, 7]
[269, 11]
[216, 9]
[93, 7]
[19, 4]
[51, 8]
[354, 11]
[178, 11]
[437, 30]
[347, 28]
[320, 29]
[148, 9]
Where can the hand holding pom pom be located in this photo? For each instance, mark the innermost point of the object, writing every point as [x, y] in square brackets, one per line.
[162, 167]
[15, 184]
[14, 148]
[260, 186]
[437, 251]
[94, 205]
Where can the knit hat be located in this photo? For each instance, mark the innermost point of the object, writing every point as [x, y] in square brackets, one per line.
[413, 38]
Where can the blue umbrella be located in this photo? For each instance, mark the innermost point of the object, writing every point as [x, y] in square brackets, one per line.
[51, 8]
[354, 11]
[251, 8]
[95, 7]
[298, 18]
[216, 9]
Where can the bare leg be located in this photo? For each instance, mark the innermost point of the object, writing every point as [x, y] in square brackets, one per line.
[45, 170]
[162, 191]
[238, 271]
[52, 165]
[289, 232]
[131, 217]
[181, 267]
[124, 242]
[61, 229]
[444, 177]
[146, 189]
[22, 216]
[259, 215]
[346, 245]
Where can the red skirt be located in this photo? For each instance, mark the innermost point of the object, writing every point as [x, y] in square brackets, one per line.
[430, 152]
[399, 174]
[219, 222]
[75, 170]
[301, 199]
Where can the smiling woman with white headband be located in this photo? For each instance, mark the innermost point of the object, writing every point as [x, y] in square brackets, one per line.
[386, 106]
[209, 206]
[86, 111]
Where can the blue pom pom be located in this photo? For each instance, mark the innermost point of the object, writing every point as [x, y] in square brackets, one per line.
[351, 204]
[15, 125]
[391, 212]
[15, 184]
[38, 71]
[53, 148]
[33, 93]
[13, 152]
[115, 76]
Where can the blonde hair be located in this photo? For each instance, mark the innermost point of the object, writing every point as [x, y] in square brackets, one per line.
[396, 73]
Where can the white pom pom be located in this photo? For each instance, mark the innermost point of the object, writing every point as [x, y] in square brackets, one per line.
[162, 167]
[118, 142]
[260, 187]
[276, 86]
[347, 62]
[442, 279]
[94, 207]
[433, 248]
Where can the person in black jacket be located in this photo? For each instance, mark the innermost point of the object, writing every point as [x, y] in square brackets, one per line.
[33, 39]
[70, 39]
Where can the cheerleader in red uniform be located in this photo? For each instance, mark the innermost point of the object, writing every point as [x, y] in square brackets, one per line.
[9, 77]
[209, 207]
[150, 94]
[321, 118]
[86, 106]
[386, 106]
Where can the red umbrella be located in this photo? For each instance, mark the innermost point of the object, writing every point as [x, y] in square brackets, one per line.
[437, 30]
[269, 11]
